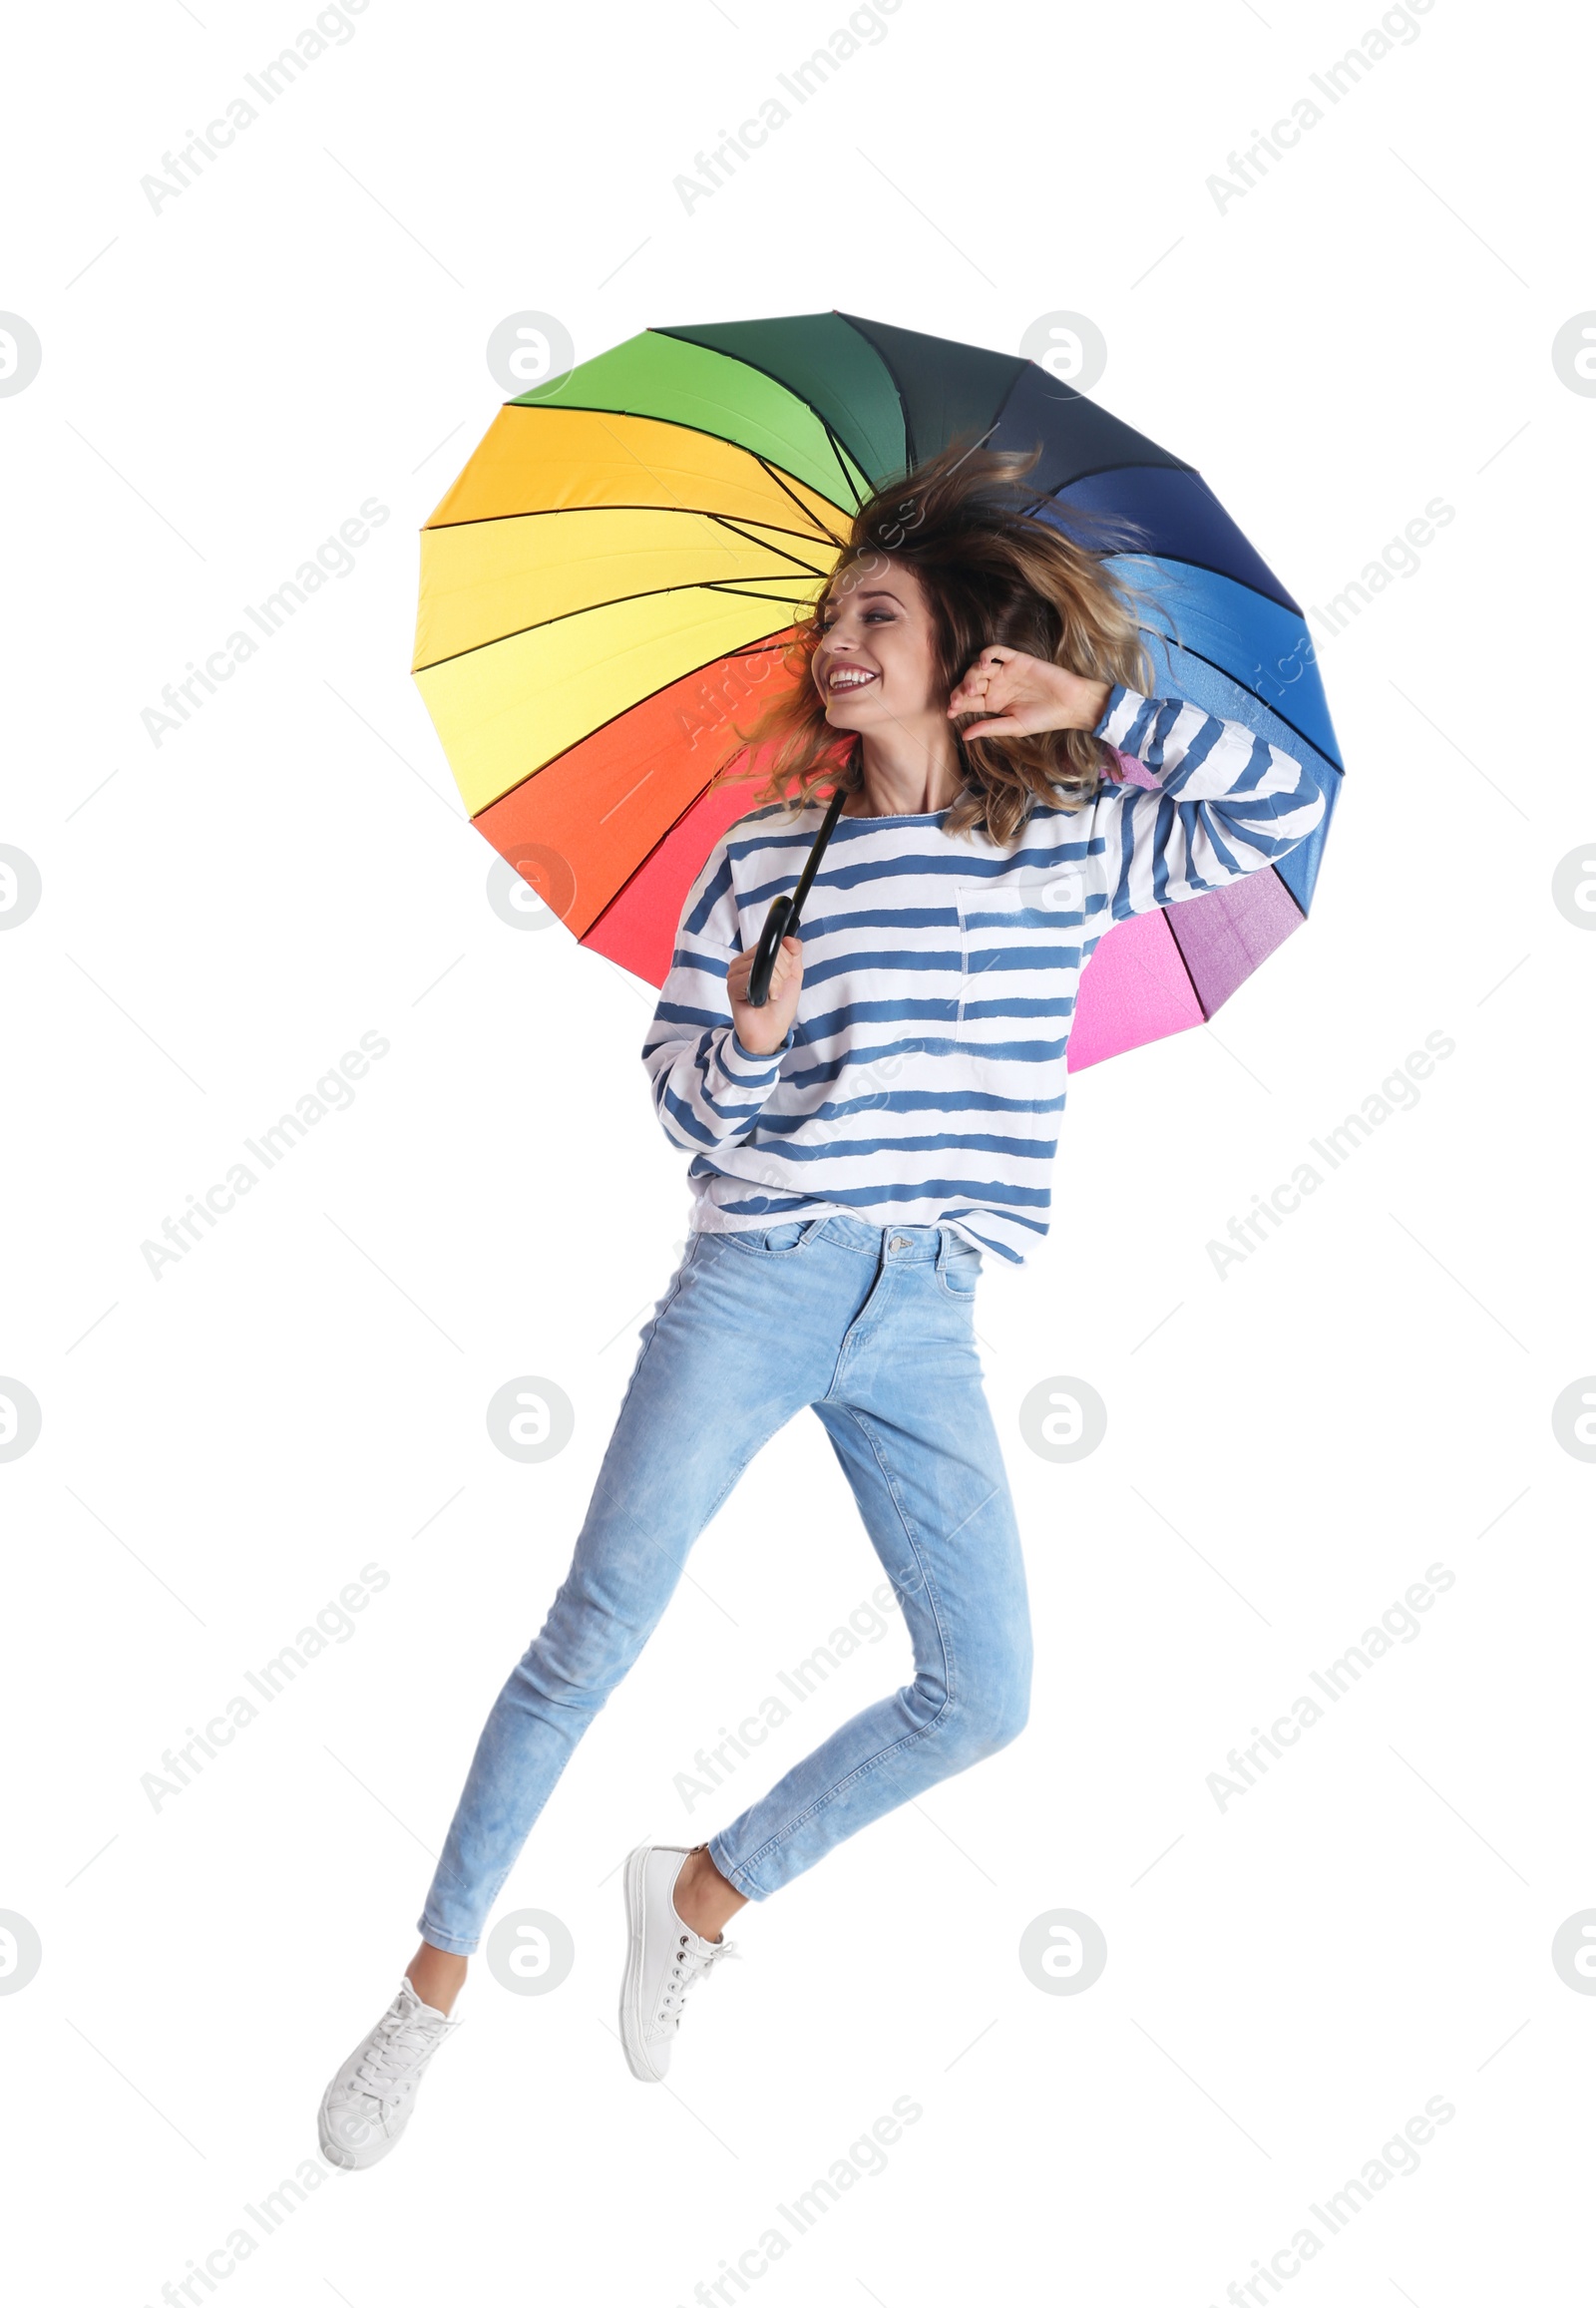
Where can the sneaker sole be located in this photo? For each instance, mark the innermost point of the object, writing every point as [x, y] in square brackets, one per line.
[631, 1979]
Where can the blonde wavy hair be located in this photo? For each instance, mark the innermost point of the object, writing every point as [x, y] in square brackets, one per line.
[995, 574]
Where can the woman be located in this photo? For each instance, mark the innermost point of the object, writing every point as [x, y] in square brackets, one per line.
[859, 1144]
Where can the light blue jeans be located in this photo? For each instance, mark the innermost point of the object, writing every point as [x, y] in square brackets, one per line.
[871, 1328]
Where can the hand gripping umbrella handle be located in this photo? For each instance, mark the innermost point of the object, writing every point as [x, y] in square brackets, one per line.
[782, 919]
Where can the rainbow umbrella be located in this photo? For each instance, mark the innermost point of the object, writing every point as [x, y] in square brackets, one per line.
[610, 587]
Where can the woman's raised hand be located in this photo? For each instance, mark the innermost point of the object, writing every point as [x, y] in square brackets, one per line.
[1017, 695]
[764, 1030]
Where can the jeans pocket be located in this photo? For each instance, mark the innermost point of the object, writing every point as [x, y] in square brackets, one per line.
[772, 1241]
[959, 1272]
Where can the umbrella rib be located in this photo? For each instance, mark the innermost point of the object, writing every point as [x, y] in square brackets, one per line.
[838, 447]
[649, 594]
[839, 453]
[1013, 387]
[725, 586]
[556, 511]
[704, 433]
[726, 522]
[775, 473]
[765, 647]
[649, 469]
[909, 452]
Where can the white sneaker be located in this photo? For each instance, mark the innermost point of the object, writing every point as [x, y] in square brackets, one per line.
[664, 1957]
[367, 2104]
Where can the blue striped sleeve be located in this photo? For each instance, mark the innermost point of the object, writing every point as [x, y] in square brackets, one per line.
[707, 1090]
[1227, 802]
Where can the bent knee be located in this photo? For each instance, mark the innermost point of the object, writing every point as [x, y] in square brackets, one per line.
[1003, 1725]
[985, 1722]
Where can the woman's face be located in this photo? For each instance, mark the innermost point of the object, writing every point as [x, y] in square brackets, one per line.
[876, 662]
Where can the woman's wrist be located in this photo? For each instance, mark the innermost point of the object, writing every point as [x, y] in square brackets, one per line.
[1081, 700]
[1091, 701]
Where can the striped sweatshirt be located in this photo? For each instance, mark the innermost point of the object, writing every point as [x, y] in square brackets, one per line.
[922, 1080]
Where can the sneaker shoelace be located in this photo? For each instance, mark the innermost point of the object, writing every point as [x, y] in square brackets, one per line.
[401, 2047]
[687, 1969]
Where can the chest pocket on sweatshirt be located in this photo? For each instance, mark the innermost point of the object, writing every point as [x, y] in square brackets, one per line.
[1019, 945]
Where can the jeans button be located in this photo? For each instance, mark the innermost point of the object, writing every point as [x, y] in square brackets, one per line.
[898, 1242]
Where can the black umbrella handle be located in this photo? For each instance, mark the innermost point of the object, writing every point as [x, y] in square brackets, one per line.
[782, 919]
[770, 937]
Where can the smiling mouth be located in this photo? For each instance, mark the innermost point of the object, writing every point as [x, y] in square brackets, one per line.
[848, 677]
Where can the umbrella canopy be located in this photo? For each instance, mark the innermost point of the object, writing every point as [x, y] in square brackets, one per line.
[611, 585]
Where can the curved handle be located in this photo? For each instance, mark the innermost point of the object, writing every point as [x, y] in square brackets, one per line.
[770, 937]
[782, 919]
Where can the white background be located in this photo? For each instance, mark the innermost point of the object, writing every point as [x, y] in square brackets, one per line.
[1288, 1981]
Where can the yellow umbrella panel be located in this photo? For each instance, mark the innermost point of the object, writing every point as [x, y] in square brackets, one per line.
[600, 596]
